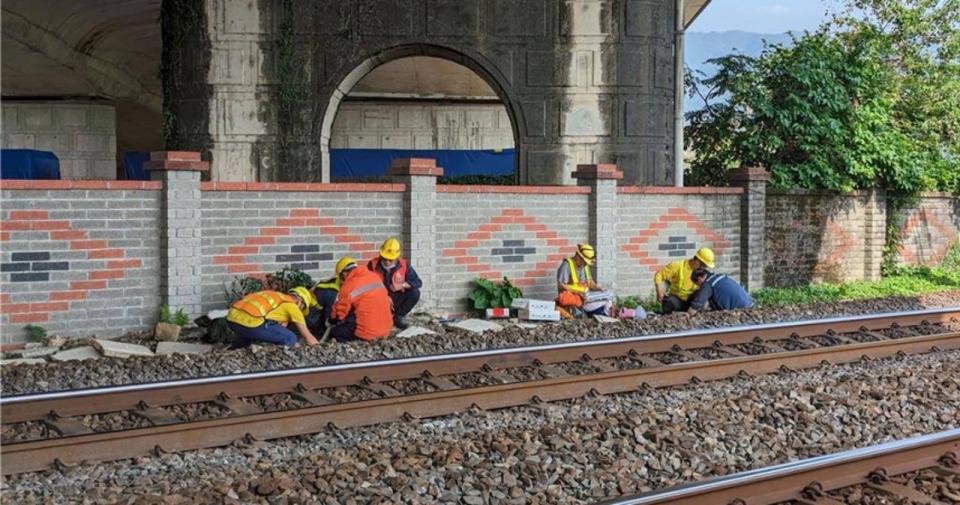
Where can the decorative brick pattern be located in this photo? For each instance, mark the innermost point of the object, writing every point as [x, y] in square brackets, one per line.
[929, 231]
[75, 256]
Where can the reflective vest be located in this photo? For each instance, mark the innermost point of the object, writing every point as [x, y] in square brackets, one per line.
[575, 279]
[331, 283]
[399, 275]
[261, 303]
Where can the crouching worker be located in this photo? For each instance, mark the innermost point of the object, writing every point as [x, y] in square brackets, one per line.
[362, 310]
[717, 292]
[264, 316]
[400, 279]
[574, 284]
[325, 294]
[678, 275]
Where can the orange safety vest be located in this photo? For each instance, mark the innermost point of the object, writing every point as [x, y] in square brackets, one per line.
[399, 275]
[261, 303]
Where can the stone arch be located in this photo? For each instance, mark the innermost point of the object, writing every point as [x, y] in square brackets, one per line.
[474, 62]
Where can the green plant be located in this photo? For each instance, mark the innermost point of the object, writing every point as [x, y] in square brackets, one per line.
[288, 278]
[490, 295]
[35, 333]
[165, 315]
[179, 318]
[240, 287]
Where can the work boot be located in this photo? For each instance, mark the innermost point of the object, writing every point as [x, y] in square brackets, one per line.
[401, 323]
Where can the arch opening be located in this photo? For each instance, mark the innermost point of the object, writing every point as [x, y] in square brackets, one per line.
[421, 101]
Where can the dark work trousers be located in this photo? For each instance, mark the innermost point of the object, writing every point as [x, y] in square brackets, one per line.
[346, 331]
[672, 304]
[404, 302]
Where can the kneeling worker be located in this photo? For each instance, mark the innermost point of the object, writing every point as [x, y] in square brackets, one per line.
[263, 317]
[717, 292]
[400, 279]
[325, 293]
[677, 274]
[574, 283]
[362, 310]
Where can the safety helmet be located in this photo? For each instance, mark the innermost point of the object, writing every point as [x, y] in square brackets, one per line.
[345, 263]
[305, 295]
[705, 255]
[390, 250]
[586, 253]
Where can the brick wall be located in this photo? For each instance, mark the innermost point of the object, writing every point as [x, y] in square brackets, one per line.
[251, 228]
[519, 232]
[79, 257]
[929, 229]
[660, 225]
[82, 135]
[817, 237]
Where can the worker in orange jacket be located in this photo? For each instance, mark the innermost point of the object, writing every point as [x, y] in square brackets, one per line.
[362, 310]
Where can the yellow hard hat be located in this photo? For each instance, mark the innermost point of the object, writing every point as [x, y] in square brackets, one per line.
[705, 255]
[344, 264]
[305, 295]
[586, 253]
[390, 250]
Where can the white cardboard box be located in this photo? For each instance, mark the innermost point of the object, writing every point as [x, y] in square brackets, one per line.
[533, 305]
[539, 315]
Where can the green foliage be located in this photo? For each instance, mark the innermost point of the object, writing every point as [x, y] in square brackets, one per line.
[35, 333]
[491, 295]
[180, 318]
[485, 180]
[282, 280]
[871, 99]
[632, 302]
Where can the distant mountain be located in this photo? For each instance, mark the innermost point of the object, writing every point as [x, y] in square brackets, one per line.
[702, 46]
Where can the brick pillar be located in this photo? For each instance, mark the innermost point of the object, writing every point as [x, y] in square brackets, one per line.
[875, 233]
[419, 220]
[180, 259]
[602, 181]
[753, 212]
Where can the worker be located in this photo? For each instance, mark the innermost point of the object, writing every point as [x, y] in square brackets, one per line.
[325, 294]
[263, 317]
[362, 309]
[717, 292]
[574, 282]
[398, 276]
[677, 274]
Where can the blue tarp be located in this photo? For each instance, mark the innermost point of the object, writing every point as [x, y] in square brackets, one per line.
[133, 166]
[28, 164]
[349, 163]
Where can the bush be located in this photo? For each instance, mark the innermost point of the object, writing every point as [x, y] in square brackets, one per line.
[491, 295]
[180, 318]
[282, 280]
[35, 333]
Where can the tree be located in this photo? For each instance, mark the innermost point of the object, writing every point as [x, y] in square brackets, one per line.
[870, 99]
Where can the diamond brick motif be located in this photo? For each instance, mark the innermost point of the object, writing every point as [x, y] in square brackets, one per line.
[674, 244]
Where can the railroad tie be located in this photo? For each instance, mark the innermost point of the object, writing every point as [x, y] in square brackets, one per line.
[683, 353]
[550, 371]
[66, 426]
[599, 365]
[236, 406]
[727, 349]
[154, 415]
[646, 361]
[441, 383]
[901, 491]
[382, 390]
[770, 346]
[498, 376]
[314, 398]
[877, 335]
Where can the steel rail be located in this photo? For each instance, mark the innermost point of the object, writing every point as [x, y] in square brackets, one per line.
[39, 454]
[785, 482]
[20, 408]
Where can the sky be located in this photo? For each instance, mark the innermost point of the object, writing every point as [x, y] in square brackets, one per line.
[762, 16]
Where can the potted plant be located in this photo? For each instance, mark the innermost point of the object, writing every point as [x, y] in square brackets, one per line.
[169, 326]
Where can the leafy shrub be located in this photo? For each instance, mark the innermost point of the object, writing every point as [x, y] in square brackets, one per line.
[281, 280]
[179, 318]
[491, 295]
[35, 333]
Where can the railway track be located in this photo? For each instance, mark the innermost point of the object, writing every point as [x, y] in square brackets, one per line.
[69, 427]
[914, 470]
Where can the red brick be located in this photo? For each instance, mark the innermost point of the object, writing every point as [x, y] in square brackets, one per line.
[512, 212]
[134, 185]
[124, 263]
[556, 257]
[68, 235]
[318, 221]
[555, 241]
[466, 260]
[88, 244]
[15, 308]
[274, 231]
[68, 295]
[29, 214]
[105, 253]
[525, 220]
[106, 274]
[478, 235]
[50, 306]
[305, 213]
[243, 249]
[454, 252]
[536, 227]
[177, 165]
[490, 227]
[466, 243]
[41, 317]
[547, 235]
[74, 285]
[344, 239]
[51, 225]
[333, 230]
[490, 275]
[242, 268]
[477, 268]
[291, 221]
[4, 236]
[227, 260]
[259, 240]
[4, 298]
[16, 225]
[361, 247]
[175, 155]
[524, 282]
[502, 220]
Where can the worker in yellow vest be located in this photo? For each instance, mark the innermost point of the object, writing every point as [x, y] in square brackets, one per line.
[264, 316]
[325, 293]
[574, 282]
[677, 274]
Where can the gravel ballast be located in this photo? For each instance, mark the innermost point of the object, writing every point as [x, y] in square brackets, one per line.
[566, 452]
[21, 379]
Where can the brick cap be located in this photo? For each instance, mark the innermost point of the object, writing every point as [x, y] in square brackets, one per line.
[748, 174]
[598, 171]
[176, 160]
[415, 166]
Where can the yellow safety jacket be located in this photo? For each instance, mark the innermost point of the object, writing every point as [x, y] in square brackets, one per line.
[254, 308]
[575, 285]
[677, 273]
